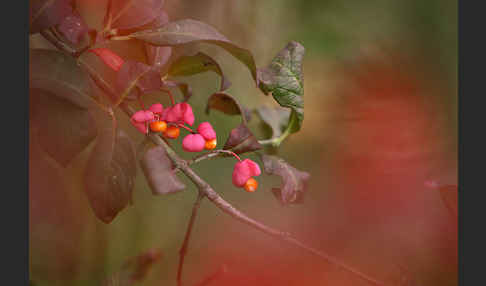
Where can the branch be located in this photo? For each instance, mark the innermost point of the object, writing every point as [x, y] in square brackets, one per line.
[226, 207]
[183, 250]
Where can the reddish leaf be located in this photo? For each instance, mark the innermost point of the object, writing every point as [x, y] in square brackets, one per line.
[228, 105]
[111, 169]
[111, 59]
[63, 129]
[241, 140]
[128, 14]
[159, 171]
[294, 182]
[47, 13]
[136, 74]
[73, 28]
[191, 31]
[158, 56]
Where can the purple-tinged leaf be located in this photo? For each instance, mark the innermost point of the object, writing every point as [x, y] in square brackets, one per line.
[189, 31]
[184, 88]
[127, 14]
[134, 269]
[284, 79]
[158, 56]
[160, 173]
[228, 105]
[294, 182]
[73, 28]
[448, 194]
[277, 118]
[198, 63]
[47, 13]
[59, 74]
[135, 74]
[241, 140]
[111, 169]
[62, 129]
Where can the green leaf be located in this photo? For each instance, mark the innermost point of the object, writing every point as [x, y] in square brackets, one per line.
[47, 13]
[111, 168]
[59, 74]
[160, 172]
[227, 104]
[63, 129]
[198, 63]
[294, 182]
[241, 140]
[135, 269]
[191, 31]
[284, 79]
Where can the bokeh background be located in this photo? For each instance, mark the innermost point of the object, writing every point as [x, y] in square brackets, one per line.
[380, 124]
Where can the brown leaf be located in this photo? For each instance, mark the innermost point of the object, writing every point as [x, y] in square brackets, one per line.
[241, 140]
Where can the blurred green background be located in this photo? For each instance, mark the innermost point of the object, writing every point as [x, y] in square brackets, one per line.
[380, 121]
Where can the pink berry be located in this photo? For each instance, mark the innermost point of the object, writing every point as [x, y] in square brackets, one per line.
[193, 143]
[243, 171]
[207, 131]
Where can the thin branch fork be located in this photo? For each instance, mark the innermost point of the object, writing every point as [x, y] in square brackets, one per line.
[215, 198]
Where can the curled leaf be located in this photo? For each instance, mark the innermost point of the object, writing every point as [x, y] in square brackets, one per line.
[47, 13]
[227, 104]
[128, 14]
[191, 31]
[277, 118]
[198, 63]
[111, 169]
[160, 174]
[284, 79]
[241, 140]
[294, 182]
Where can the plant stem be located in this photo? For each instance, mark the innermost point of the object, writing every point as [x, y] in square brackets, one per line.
[212, 154]
[185, 244]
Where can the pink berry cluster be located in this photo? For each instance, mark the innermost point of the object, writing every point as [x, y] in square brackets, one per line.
[169, 120]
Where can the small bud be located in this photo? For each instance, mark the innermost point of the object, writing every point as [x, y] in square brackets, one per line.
[210, 144]
[158, 126]
[109, 58]
[172, 132]
[251, 185]
[193, 143]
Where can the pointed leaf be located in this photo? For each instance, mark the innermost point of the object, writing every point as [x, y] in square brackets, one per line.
[158, 56]
[59, 74]
[135, 269]
[277, 118]
[198, 63]
[448, 194]
[73, 28]
[227, 104]
[294, 182]
[284, 79]
[241, 140]
[128, 14]
[111, 169]
[47, 13]
[160, 173]
[135, 74]
[191, 31]
[63, 129]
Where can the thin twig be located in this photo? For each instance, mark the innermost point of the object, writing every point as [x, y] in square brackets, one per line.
[185, 244]
[226, 207]
[209, 155]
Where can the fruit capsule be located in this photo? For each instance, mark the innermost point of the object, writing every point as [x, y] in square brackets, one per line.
[251, 185]
[172, 132]
[158, 126]
[210, 144]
